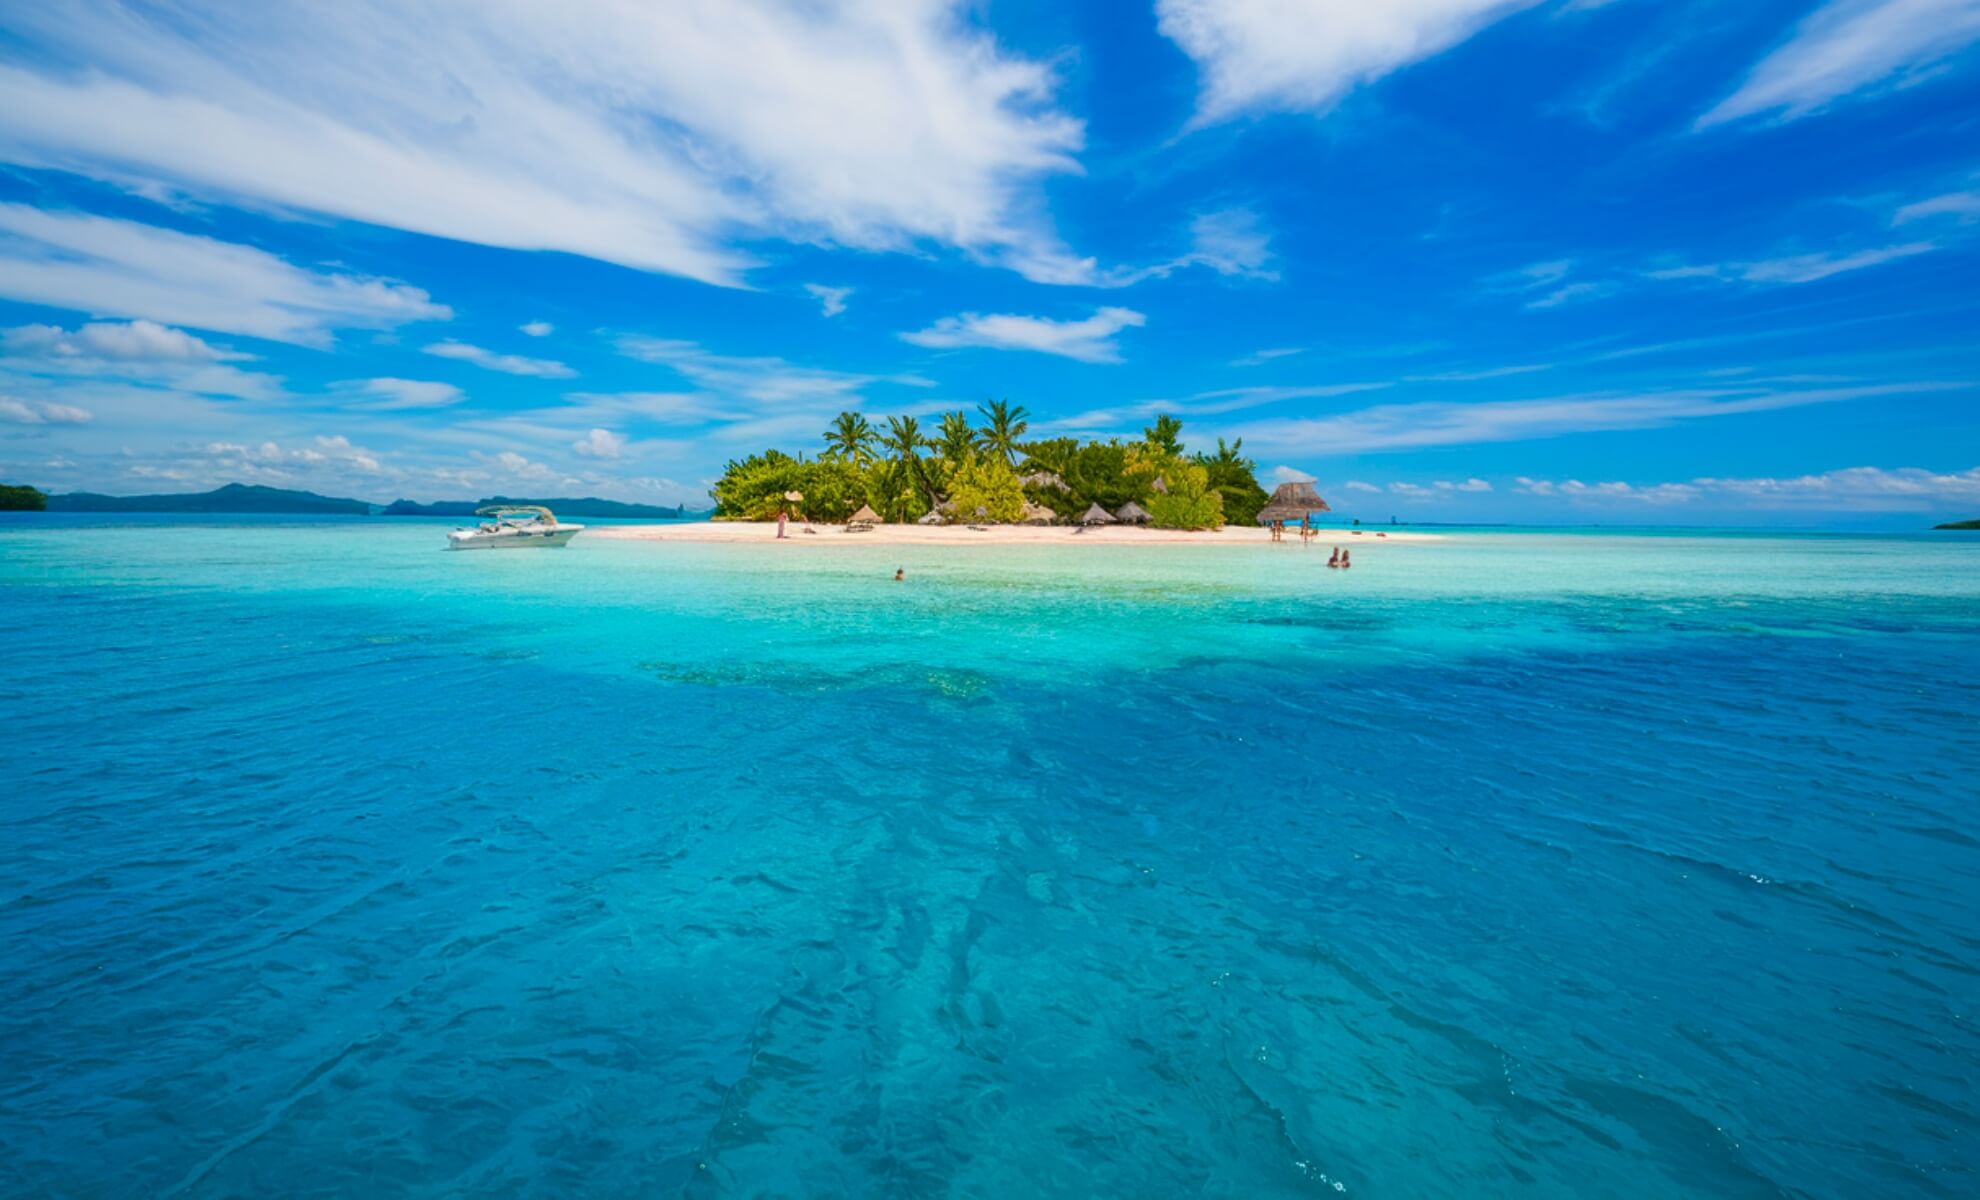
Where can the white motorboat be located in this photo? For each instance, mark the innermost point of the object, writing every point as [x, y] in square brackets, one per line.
[513, 526]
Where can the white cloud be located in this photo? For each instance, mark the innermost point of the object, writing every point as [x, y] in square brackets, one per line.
[1090, 340]
[1795, 268]
[1304, 55]
[1903, 489]
[1356, 485]
[1402, 426]
[1289, 475]
[763, 381]
[1849, 46]
[106, 266]
[387, 393]
[600, 443]
[134, 341]
[41, 412]
[1259, 358]
[538, 328]
[831, 300]
[659, 137]
[1468, 485]
[508, 364]
[1410, 491]
[1963, 206]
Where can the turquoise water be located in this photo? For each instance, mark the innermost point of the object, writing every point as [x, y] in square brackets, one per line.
[1517, 864]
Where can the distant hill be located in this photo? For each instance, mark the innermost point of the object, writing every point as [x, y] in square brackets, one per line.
[233, 498]
[1959, 525]
[21, 499]
[587, 506]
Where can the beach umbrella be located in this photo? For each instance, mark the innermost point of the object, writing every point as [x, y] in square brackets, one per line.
[1098, 516]
[865, 518]
[1292, 502]
[1133, 514]
[1160, 487]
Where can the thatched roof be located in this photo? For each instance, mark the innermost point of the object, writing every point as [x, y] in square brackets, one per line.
[865, 514]
[1133, 514]
[1160, 487]
[1098, 516]
[1292, 502]
[1038, 514]
[1042, 479]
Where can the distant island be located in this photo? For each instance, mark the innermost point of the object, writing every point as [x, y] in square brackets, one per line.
[584, 506]
[21, 499]
[233, 498]
[1959, 525]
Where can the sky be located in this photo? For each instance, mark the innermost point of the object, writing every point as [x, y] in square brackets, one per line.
[1550, 261]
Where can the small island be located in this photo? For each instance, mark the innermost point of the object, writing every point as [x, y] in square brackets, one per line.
[21, 498]
[232, 498]
[1974, 524]
[988, 474]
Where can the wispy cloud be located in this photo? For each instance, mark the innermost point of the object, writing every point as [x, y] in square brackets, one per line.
[1849, 47]
[1912, 489]
[763, 380]
[537, 329]
[600, 443]
[1304, 55]
[110, 266]
[1961, 206]
[1259, 358]
[1795, 268]
[14, 411]
[386, 394]
[658, 137]
[1090, 340]
[138, 352]
[831, 300]
[1406, 426]
[508, 364]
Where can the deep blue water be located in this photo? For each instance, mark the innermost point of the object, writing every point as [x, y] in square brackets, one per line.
[1539, 865]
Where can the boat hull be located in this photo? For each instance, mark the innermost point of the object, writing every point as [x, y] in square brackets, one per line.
[513, 539]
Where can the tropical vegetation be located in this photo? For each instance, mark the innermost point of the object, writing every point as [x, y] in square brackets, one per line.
[21, 498]
[984, 469]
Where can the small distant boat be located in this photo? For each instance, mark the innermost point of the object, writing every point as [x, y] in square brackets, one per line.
[513, 526]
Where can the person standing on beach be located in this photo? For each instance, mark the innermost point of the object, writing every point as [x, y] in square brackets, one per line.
[783, 515]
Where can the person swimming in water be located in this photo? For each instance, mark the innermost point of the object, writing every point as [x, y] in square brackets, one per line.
[1334, 559]
[900, 574]
[1345, 564]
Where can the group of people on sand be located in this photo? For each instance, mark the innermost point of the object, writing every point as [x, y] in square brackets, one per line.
[1339, 559]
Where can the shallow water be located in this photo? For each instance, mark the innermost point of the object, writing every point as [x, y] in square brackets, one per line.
[1552, 865]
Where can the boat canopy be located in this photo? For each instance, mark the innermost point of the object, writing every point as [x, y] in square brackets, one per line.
[516, 510]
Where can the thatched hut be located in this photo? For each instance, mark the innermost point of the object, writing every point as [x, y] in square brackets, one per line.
[1043, 479]
[863, 520]
[1292, 502]
[1038, 514]
[1133, 514]
[1160, 487]
[1098, 516]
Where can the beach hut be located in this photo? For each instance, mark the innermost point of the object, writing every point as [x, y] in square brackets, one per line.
[1098, 516]
[1133, 514]
[1043, 479]
[1292, 502]
[863, 520]
[1038, 514]
[1160, 487]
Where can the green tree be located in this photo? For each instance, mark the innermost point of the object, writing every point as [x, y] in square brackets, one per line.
[1003, 424]
[903, 441]
[1164, 435]
[851, 439]
[1190, 502]
[21, 499]
[986, 489]
[954, 442]
[753, 489]
[1235, 479]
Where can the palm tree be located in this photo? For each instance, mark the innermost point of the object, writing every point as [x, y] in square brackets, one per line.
[955, 442]
[903, 439]
[851, 438]
[1227, 463]
[1165, 434]
[1006, 424]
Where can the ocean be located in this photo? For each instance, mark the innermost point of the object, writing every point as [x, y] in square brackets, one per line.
[1564, 864]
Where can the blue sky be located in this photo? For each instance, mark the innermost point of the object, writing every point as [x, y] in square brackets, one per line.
[1577, 260]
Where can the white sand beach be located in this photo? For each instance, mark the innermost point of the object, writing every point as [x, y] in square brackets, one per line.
[994, 535]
